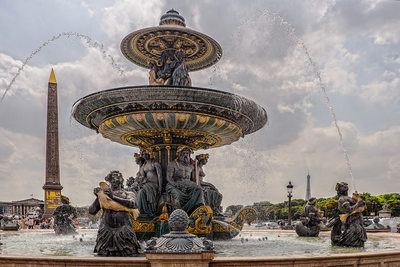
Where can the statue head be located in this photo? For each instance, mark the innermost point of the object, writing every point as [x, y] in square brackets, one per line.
[184, 154]
[179, 55]
[312, 201]
[115, 179]
[148, 154]
[342, 189]
[130, 181]
[203, 158]
[139, 160]
[64, 199]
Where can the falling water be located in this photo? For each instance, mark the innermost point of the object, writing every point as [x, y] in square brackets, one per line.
[215, 71]
[86, 38]
[290, 30]
[333, 114]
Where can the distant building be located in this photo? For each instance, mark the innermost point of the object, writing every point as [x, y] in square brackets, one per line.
[308, 190]
[21, 207]
[4, 207]
[385, 212]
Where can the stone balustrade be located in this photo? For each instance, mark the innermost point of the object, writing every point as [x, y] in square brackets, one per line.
[372, 259]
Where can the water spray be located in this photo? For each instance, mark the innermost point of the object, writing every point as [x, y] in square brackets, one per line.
[87, 40]
[290, 31]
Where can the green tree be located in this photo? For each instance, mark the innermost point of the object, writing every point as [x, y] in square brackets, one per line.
[387, 197]
[320, 203]
[299, 202]
[330, 208]
[369, 199]
[264, 210]
[297, 212]
[234, 208]
[250, 218]
[394, 206]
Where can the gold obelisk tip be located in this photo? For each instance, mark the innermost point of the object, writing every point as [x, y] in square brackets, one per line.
[52, 77]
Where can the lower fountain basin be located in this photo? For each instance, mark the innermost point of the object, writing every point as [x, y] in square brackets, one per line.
[264, 243]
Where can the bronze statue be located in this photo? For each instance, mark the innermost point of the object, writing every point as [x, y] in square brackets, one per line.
[180, 75]
[150, 186]
[63, 218]
[310, 223]
[181, 187]
[116, 236]
[212, 196]
[353, 234]
[132, 183]
[170, 69]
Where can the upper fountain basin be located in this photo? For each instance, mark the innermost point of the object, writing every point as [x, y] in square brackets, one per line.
[146, 116]
[146, 45]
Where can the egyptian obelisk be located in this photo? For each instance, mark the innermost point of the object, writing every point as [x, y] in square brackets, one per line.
[52, 187]
[308, 190]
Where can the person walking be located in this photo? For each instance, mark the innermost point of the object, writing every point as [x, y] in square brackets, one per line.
[30, 223]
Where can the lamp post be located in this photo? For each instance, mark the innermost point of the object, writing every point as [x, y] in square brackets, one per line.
[290, 190]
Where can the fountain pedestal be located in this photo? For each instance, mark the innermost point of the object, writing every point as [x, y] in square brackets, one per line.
[181, 260]
[179, 248]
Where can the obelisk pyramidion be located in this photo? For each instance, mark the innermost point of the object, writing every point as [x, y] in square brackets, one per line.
[308, 191]
[52, 187]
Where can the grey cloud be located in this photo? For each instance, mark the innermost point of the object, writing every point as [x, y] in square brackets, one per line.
[261, 62]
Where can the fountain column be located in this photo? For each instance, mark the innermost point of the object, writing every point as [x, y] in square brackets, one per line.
[52, 187]
[164, 154]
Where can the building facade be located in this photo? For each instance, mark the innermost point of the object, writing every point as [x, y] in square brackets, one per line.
[21, 207]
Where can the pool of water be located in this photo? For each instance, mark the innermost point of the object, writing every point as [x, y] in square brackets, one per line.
[46, 243]
[261, 244]
[247, 244]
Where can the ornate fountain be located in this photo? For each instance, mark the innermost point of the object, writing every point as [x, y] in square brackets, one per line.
[169, 114]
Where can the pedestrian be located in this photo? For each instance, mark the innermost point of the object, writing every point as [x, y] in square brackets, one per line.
[24, 222]
[30, 223]
[36, 222]
[51, 226]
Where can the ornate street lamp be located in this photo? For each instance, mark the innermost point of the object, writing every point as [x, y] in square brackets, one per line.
[290, 190]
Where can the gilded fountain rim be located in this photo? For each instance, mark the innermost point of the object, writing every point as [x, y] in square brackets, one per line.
[94, 108]
[146, 45]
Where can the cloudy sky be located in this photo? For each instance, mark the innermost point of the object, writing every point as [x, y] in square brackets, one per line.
[354, 46]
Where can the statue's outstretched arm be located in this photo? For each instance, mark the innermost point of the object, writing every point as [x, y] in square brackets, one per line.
[170, 173]
[350, 208]
[95, 207]
[141, 171]
[128, 202]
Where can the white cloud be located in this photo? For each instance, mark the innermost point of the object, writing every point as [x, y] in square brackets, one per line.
[353, 44]
[22, 165]
[90, 11]
[125, 16]
[248, 175]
